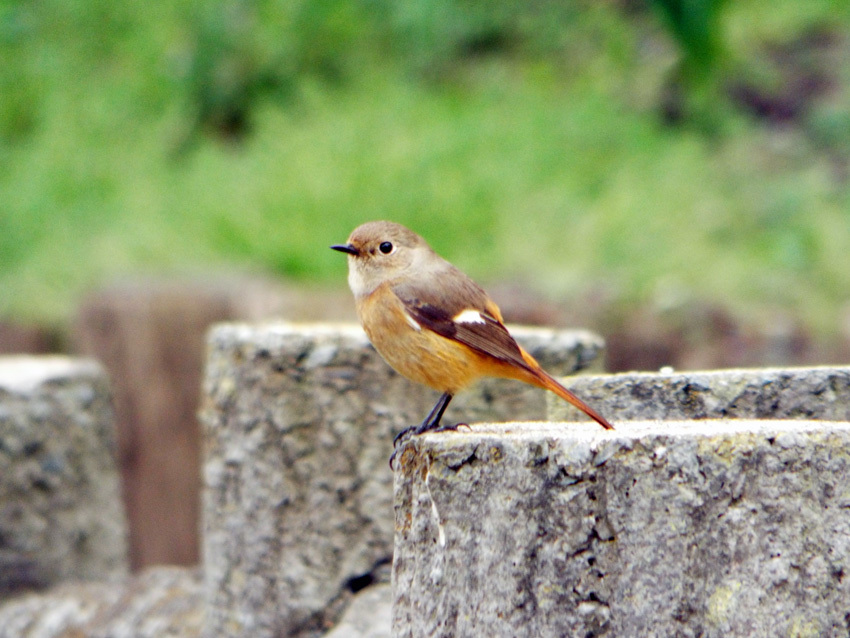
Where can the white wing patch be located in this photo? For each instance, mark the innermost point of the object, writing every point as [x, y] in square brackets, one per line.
[468, 316]
[412, 322]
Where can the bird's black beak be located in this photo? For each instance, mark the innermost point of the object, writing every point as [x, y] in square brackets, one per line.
[346, 248]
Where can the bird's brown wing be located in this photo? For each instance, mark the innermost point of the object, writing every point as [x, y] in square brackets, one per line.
[443, 311]
[439, 310]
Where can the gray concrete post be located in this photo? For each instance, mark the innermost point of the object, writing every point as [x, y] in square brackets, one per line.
[61, 515]
[298, 425]
[711, 528]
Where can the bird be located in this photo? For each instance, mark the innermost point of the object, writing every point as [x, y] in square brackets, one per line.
[432, 323]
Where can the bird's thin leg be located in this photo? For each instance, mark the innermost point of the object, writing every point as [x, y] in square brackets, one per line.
[431, 421]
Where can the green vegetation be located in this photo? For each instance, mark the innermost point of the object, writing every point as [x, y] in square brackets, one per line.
[523, 142]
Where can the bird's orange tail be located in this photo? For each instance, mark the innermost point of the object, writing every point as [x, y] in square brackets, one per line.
[550, 384]
[544, 380]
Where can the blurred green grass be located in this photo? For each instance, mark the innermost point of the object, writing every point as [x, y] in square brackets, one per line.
[523, 143]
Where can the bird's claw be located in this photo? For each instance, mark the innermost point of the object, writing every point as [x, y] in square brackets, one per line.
[403, 434]
[400, 439]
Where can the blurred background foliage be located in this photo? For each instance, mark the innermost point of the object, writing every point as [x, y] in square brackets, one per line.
[659, 152]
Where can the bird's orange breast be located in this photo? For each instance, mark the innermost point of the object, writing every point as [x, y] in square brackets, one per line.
[418, 353]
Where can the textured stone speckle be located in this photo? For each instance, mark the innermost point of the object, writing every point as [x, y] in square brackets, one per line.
[298, 426]
[368, 616]
[160, 602]
[820, 393]
[61, 515]
[701, 528]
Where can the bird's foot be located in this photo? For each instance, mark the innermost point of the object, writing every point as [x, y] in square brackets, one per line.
[416, 430]
[392, 460]
[405, 434]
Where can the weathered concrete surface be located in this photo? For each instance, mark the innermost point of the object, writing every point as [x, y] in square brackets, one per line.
[160, 602]
[821, 393]
[60, 509]
[368, 616]
[297, 507]
[701, 528]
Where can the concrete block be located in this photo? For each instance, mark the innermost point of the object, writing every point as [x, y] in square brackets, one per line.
[297, 507]
[159, 602]
[368, 616]
[711, 528]
[61, 515]
[821, 393]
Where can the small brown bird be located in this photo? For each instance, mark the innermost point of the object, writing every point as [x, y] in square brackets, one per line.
[431, 322]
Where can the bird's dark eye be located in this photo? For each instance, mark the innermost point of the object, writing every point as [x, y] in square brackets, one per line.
[386, 247]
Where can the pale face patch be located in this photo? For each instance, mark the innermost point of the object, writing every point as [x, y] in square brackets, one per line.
[356, 281]
[468, 316]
